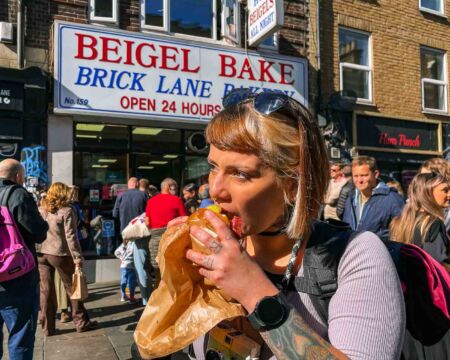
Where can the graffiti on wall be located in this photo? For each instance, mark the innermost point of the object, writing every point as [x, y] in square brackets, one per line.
[8, 150]
[33, 161]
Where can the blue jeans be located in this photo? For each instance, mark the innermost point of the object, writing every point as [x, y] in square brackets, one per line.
[127, 278]
[19, 313]
[141, 257]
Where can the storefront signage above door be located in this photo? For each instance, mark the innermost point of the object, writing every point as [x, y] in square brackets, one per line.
[102, 71]
[380, 133]
[11, 96]
[265, 17]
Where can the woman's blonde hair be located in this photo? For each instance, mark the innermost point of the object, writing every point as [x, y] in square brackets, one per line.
[58, 196]
[421, 210]
[437, 165]
[289, 142]
[74, 192]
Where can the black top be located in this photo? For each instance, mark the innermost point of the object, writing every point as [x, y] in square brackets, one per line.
[435, 242]
[129, 205]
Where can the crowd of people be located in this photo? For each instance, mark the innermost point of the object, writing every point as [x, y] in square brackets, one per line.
[269, 169]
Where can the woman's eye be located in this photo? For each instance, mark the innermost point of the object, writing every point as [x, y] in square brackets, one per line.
[241, 175]
[212, 168]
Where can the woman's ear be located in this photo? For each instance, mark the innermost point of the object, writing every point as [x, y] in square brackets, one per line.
[291, 187]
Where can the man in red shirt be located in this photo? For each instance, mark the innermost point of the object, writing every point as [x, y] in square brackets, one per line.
[160, 210]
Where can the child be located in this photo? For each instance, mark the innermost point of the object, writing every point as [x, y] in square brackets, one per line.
[128, 276]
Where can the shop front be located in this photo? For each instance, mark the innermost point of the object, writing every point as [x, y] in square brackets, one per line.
[136, 104]
[399, 145]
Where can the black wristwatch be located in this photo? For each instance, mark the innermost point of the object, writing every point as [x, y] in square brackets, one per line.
[270, 312]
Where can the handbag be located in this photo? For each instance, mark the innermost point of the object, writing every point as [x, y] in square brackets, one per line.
[84, 233]
[79, 285]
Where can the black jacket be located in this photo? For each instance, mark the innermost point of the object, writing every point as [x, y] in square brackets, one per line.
[343, 195]
[128, 205]
[32, 227]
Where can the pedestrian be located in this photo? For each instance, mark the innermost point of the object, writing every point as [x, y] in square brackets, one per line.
[203, 194]
[127, 272]
[82, 233]
[346, 190]
[61, 252]
[159, 211]
[190, 198]
[144, 186]
[19, 297]
[337, 181]
[422, 223]
[269, 173]
[373, 204]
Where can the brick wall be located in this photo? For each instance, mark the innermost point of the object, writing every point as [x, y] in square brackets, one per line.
[398, 30]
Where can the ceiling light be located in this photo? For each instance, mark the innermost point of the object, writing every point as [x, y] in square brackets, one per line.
[155, 162]
[170, 156]
[146, 131]
[90, 127]
[99, 166]
[111, 161]
[146, 167]
[86, 136]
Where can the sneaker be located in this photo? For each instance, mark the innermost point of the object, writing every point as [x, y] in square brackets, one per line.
[132, 300]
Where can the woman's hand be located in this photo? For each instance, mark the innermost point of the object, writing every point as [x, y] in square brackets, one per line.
[177, 221]
[229, 267]
[78, 262]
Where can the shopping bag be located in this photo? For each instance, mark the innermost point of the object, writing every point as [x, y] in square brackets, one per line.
[136, 229]
[79, 285]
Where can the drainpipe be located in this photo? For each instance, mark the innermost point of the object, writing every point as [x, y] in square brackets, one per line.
[319, 77]
[20, 37]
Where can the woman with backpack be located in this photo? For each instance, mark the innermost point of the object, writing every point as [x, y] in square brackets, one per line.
[422, 223]
[59, 252]
[269, 173]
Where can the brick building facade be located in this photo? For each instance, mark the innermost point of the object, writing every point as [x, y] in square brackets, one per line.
[405, 40]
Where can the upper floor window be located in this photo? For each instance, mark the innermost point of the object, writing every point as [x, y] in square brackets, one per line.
[355, 63]
[435, 6]
[103, 10]
[201, 18]
[434, 79]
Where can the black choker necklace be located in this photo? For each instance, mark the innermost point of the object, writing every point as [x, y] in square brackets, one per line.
[271, 233]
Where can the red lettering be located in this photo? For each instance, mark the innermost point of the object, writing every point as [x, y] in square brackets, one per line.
[165, 56]
[106, 49]
[264, 68]
[82, 45]
[129, 55]
[246, 68]
[139, 48]
[227, 62]
[284, 72]
[186, 62]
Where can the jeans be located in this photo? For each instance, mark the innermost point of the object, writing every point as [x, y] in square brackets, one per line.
[127, 278]
[19, 313]
[142, 265]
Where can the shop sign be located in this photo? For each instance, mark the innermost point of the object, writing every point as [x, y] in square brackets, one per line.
[94, 195]
[265, 17]
[380, 132]
[102, 71]
[108, 228]
[11, 96]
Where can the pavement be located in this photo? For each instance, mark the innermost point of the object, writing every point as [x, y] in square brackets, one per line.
[111, 340]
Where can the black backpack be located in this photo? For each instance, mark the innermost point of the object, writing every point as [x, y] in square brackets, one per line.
[325, 248]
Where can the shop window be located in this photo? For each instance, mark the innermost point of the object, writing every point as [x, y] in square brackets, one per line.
[355, 63]
[99, 136]
[196, 169]
[103, 11]
[434, 79]
[200, 18]
[156, 140]
[156, 167]
[433, 6]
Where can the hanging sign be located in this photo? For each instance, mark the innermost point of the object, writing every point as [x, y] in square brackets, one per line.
[265, 17]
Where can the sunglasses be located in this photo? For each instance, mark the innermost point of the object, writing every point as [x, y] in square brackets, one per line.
[265, 103]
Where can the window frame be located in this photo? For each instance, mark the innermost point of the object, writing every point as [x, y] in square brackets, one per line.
[367, 68]
[444, 82]
[237, 38]
[166, 22]
[110, 20]
[276, 44]
[432, 11]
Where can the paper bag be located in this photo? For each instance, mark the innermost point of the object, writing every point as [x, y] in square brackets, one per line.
[183, 307]
[79, 285]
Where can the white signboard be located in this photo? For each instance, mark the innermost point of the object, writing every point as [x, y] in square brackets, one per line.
[265, 17]
[102, 71]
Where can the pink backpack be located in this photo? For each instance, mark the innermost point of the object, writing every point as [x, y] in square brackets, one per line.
[16, 259]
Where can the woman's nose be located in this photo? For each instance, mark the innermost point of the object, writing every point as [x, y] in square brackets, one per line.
[217, 189]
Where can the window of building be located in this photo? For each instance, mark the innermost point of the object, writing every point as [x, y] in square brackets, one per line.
[200, 18]
[103, 11]
[434, 6]
[271, 43]
[434, 79]
[355, 63]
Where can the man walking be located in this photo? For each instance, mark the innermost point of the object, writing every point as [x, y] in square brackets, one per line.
[129, 205]
[160, 210]
[19, 298]
[337, 181]
[373, 204]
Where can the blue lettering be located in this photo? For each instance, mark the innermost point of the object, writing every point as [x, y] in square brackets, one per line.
[160, 85]
[206, 89]
[176, 87]
[113, 78]
[83, 73]
[99, 75]
[227, 88]
[190, 84]
[119, 79]
[136, 82]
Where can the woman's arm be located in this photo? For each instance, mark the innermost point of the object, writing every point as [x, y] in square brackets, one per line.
[70, 229]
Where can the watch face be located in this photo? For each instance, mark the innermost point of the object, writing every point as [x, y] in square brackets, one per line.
[271, 311]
